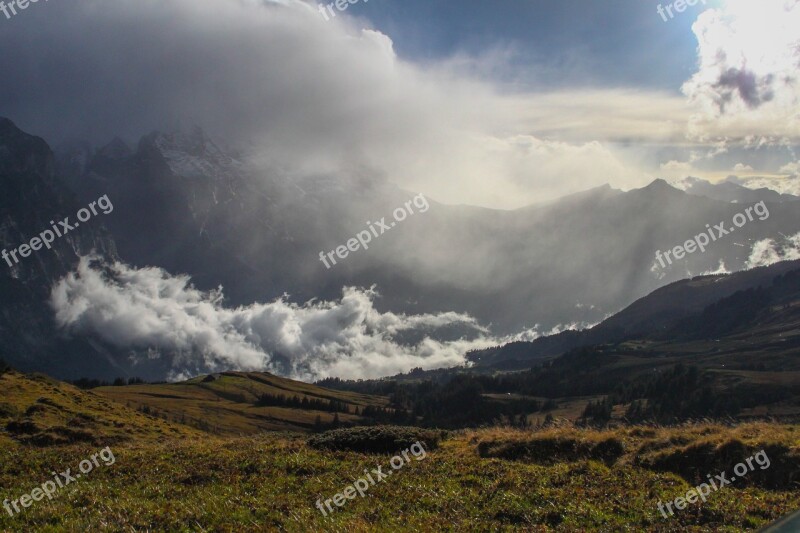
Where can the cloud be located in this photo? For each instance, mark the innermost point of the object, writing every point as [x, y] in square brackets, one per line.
[747, 84]
[721, 269]
[791, 169]
[312, 98]
[781, 184]
[768, 252]
[535, 332]
[165, 317]
[675, 170]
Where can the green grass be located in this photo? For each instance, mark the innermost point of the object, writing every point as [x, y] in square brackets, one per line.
[271, 483]
[226, 405]
[38, 410]
[172, 477]
[376, 439]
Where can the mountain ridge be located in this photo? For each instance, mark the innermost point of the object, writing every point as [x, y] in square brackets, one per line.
[258, 234]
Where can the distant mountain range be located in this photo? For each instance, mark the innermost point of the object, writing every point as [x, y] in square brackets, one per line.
[258, 233]
[714, 346]
[732, 190]
[185, 204]
[685, 310]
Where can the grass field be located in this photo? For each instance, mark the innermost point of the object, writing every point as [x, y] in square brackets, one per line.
[169, 476]
[271, 483]
[226, 404]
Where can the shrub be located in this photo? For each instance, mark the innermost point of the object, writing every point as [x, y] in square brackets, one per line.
[22, 427]
[376, 439]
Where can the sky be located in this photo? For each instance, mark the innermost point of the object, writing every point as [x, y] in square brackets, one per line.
[612, 43]
[499, 104]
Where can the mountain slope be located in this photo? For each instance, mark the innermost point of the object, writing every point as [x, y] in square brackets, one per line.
[38, 410]
[656, 315]
[227, 403]
[737, 357]
[31, 196]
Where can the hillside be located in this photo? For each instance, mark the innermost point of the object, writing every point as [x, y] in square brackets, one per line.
[711, 347]
[38, 410]
[549, 477]
[226, 403]
[660, 314]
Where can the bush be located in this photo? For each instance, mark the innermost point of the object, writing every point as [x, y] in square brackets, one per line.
[376, 439]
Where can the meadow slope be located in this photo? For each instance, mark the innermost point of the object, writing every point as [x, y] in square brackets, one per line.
[271, 483]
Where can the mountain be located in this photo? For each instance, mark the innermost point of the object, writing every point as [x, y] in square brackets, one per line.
[189, 205]
[216, 215]
[736, 357]
[705, 352]
[34, 200]
[658, 315]
[733, 191]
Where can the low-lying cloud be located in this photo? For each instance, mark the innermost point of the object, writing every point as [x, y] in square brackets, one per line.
[770, 251]
[163, 316]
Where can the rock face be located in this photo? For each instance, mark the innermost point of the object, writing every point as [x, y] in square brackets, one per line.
[31, 197]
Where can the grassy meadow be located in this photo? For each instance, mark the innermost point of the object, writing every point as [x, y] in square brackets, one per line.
[271, 482]
[171, 476]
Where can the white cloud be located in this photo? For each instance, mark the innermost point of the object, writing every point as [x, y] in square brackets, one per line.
[314, 97]
[767, 252]
[783, 185]
[677, 170]
[151, 311]
[721, 269]
[747, 83]
[531, 334]
[791, 169]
